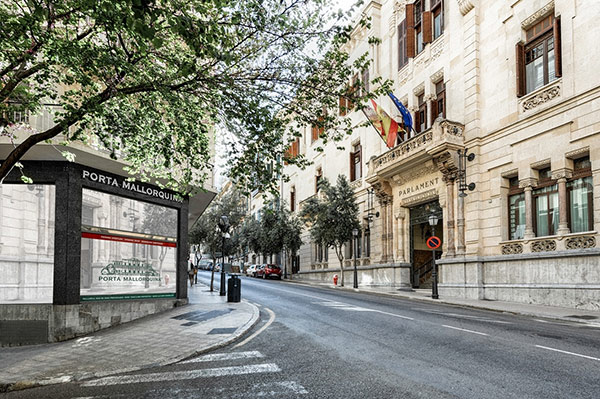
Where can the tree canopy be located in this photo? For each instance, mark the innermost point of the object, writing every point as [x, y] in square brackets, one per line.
[148, 80]
[332, 215]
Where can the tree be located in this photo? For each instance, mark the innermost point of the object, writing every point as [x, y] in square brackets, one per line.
[331, 216]
[290, 230]
[148, 80]
[206, 231]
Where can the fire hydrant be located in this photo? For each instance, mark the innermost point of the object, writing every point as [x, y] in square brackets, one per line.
[335, 279]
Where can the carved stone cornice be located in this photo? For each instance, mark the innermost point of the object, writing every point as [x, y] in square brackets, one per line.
[436, 77]
[535, 17]
[540, 164]
[413, 174]
[465, 6]
[383, 190]
[578, 152]
[418, 198]
[447, 163]
[419, 89]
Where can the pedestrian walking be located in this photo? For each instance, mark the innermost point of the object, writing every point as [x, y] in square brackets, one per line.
[195, 274]
[191, 277]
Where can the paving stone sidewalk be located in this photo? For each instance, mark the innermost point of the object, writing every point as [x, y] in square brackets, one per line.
[589, 317]
[206, 323]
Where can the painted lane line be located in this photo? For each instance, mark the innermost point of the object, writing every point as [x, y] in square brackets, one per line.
[184, 375]
[275, 389]
[263, 328]
[225, 356]
[465, 330]
[568, 353]
[348, 307]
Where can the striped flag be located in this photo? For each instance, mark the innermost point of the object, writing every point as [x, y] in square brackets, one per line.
[383, 123]
[406, 117]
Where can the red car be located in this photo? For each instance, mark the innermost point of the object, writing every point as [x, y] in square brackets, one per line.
[267, 271]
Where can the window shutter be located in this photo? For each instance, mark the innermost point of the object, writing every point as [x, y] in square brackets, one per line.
[427, 32]
[520, 69]
[557, 48]
[410, 30]
[351, 166]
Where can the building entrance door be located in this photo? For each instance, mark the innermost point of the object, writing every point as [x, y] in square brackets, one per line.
[420, 255]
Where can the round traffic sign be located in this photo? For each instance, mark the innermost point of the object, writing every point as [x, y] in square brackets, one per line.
[434, 242]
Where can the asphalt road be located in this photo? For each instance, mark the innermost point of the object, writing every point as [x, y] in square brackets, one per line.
[322, 343]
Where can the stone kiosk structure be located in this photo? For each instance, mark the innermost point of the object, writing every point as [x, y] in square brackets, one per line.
[83, 249]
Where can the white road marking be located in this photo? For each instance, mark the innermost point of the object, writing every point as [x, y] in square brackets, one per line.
[276, 389]
[568, 353]
[183, 375]
[465, 330]
[347, 306]
[263, 328]
[225, 356]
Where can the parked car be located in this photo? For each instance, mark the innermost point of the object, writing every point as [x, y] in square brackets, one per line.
[206, 264]
[251, 271]
[259, 270]
[269, 271]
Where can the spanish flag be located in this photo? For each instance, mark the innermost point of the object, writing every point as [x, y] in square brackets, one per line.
[383, 123]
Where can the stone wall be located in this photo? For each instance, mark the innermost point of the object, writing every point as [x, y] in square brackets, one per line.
[554, 279]
[36, 323]
[397, 275]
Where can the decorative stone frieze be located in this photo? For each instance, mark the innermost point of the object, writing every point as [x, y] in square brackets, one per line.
[419, 89]
[414, 174]
[356, 184]
[543, 246]
[541, 97]
[528, 182]
[539, 14]
[420, 198]
[404, 75]
[437, 49]
[511, 249]
[452, 128]
[421, 59]
[465, 6]
[580, 242]
[563, 173]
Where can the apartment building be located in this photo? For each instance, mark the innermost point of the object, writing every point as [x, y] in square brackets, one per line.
[515, 84]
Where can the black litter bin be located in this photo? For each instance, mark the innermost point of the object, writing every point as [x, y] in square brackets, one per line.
[234, 289]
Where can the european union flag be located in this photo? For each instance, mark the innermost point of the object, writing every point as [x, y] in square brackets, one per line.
[406, 117]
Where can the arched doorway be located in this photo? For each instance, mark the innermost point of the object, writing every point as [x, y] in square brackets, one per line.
[420, 255]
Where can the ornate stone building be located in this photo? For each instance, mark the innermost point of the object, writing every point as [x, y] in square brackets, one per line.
[512, 82]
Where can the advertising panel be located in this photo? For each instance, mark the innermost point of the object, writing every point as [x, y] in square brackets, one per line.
[128, 248]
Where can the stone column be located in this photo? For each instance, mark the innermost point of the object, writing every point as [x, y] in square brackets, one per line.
[527, 187]
[383, 206]
[400, 241]
[449, 180]
[563, 223]
[390, 231]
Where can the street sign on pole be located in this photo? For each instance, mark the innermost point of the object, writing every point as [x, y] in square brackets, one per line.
[434, 242]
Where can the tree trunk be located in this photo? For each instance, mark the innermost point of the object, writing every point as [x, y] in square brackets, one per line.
[340, 255]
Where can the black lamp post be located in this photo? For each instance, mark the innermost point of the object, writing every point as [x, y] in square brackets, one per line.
[433, 221]
[223, 226]
[355, 234]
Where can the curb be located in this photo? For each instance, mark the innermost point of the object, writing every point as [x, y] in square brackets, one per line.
[241, 331]
[447, 302]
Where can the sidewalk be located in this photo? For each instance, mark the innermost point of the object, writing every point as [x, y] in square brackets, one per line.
[588, 317]
[206, 323]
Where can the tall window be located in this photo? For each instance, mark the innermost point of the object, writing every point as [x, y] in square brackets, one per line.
[402, 54]
[581, 197]
[356, 163]
[365, 82]
[419, 25]
[438, 106]
[539, 59]
[367, 243]
[545, 199]
[516, 210]
[421, 122]
[437, 10]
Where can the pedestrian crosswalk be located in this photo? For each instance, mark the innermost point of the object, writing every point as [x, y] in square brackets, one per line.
[202, 370]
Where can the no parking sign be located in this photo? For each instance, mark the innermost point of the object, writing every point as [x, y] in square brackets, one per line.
[434, 242]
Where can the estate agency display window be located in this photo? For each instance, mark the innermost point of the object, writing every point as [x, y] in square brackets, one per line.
[128, 248]
[27, 243]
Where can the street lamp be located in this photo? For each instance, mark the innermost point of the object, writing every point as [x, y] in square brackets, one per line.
[355, 234]
[223, 226]
[433, 221]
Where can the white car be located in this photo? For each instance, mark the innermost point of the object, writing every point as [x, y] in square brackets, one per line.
[251, 271]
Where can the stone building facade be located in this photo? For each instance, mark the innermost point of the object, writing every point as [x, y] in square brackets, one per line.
[514, 84]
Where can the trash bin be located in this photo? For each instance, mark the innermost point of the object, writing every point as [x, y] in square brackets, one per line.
[234, 289]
